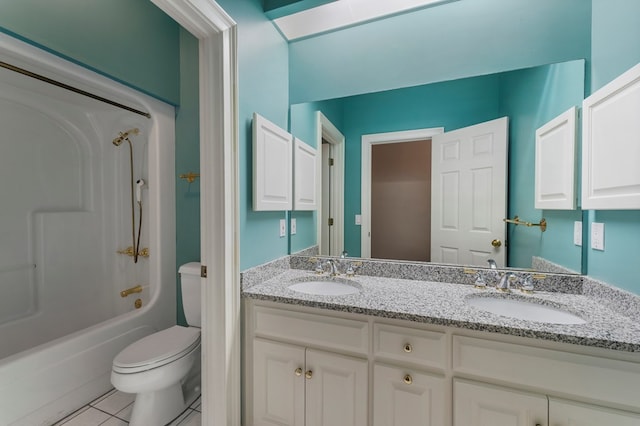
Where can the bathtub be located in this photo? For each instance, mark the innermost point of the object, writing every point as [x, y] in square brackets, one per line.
[62, 319]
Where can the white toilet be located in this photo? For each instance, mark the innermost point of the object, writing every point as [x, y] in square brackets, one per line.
[163, 369]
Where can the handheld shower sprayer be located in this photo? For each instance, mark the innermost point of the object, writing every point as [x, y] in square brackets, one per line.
[124, 136]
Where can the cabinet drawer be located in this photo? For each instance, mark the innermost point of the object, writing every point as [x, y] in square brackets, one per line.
[412, 345]
[312, 330]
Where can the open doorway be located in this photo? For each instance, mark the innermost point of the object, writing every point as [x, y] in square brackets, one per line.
[401, 201]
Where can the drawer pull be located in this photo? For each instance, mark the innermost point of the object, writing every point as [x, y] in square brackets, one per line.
[408, 348]
[298, 372]
[408, 379]
[308, 374]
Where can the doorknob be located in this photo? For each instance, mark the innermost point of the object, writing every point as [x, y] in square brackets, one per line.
[496, 243]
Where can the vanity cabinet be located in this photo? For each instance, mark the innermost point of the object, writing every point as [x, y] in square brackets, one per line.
[482, 404]
[312, 366]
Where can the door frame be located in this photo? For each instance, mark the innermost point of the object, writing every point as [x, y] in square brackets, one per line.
[219, 204]
[326, 130]
[367, 144]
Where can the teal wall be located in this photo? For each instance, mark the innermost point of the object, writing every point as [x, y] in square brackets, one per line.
[446, 42]
[131, 41]
[530, 98]
[187, 160]
[263, 87]
[615, 48]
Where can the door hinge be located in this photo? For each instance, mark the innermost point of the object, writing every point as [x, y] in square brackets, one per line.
[203, 271]
[330, 221]
[330, 161]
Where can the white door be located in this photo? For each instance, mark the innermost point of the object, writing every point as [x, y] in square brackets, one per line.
[325, 243]
[469, 194]
[480, 404]
[336, 390]
[278, 384]
[402, 397]
[570, 413]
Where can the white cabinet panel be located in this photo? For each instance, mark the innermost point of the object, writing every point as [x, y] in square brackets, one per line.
[611, 145]
[306, 176]
[278, 384]
[408, 397]
[570, 413]
[272, 166]
[337, 390]
[480, 404]
[555, 181]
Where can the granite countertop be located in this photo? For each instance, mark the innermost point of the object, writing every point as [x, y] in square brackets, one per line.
[444, 304]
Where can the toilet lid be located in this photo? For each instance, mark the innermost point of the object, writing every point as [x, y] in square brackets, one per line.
[158, 348]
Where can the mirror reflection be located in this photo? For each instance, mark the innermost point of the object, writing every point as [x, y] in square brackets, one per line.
[528, 97]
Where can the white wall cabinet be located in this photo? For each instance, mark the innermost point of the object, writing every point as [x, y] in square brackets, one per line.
[372, 371]
[272, 166]
[610, 148]
[305, 183]
[555, 170]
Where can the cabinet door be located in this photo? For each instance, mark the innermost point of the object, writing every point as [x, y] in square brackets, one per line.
[278, 384]
[570, 413]
[402, 397]
[336, 390]
[480, 404]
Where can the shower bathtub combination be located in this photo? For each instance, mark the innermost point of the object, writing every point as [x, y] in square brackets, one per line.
[87, 226]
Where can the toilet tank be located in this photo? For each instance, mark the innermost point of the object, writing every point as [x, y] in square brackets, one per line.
[191, 291]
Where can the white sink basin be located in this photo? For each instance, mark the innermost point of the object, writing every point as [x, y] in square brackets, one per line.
[325, 287]
[524, 310]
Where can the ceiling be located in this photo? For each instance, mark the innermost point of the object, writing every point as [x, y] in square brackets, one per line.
[305, 18]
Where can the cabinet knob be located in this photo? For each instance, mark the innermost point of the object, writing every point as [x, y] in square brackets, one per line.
[308, 374]
[408, 348]
[408, 379]
[298, 372]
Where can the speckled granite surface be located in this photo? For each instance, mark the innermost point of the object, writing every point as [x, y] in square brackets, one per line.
[424, 293]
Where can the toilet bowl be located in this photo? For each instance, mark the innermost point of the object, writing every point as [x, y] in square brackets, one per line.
[163, 369]
[153, 368]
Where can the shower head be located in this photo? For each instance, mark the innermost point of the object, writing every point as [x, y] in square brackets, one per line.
[125, 136]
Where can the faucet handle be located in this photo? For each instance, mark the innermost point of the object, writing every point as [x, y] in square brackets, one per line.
[319, 269]
[527, 285]
[480, 281]
[353, 267]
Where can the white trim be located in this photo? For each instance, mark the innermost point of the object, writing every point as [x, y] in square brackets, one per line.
[325, 129]
[367, 142]
[217, 36]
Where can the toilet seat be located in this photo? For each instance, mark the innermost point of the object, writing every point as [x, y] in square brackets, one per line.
[157, 349]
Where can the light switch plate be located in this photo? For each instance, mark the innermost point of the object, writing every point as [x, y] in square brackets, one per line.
[597, 236]
[283, 228]
[577, 233]
[358, 219]
[293, 226]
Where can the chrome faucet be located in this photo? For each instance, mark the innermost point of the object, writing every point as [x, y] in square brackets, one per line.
[333, 267]
[504, 284]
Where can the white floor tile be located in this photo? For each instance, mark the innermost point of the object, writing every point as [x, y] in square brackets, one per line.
[180, 418]
[114, 421]
[88, 417]
[125, 413]
[194, 418]
[114, 402]
[197, 404]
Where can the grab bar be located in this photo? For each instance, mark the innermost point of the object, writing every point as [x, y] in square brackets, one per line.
[517, 221]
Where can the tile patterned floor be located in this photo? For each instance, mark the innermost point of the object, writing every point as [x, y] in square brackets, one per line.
[114, 409]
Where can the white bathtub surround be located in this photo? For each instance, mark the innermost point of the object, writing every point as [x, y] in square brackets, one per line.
[76, 275]
[114, 409]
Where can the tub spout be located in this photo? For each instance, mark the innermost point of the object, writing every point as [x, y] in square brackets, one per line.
[136, 289]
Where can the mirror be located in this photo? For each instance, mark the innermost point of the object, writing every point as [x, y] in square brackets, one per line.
[529, 97]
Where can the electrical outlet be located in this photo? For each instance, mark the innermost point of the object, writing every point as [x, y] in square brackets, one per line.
[293, 226]
[577, 233]
[597, 236]
[283, 228]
